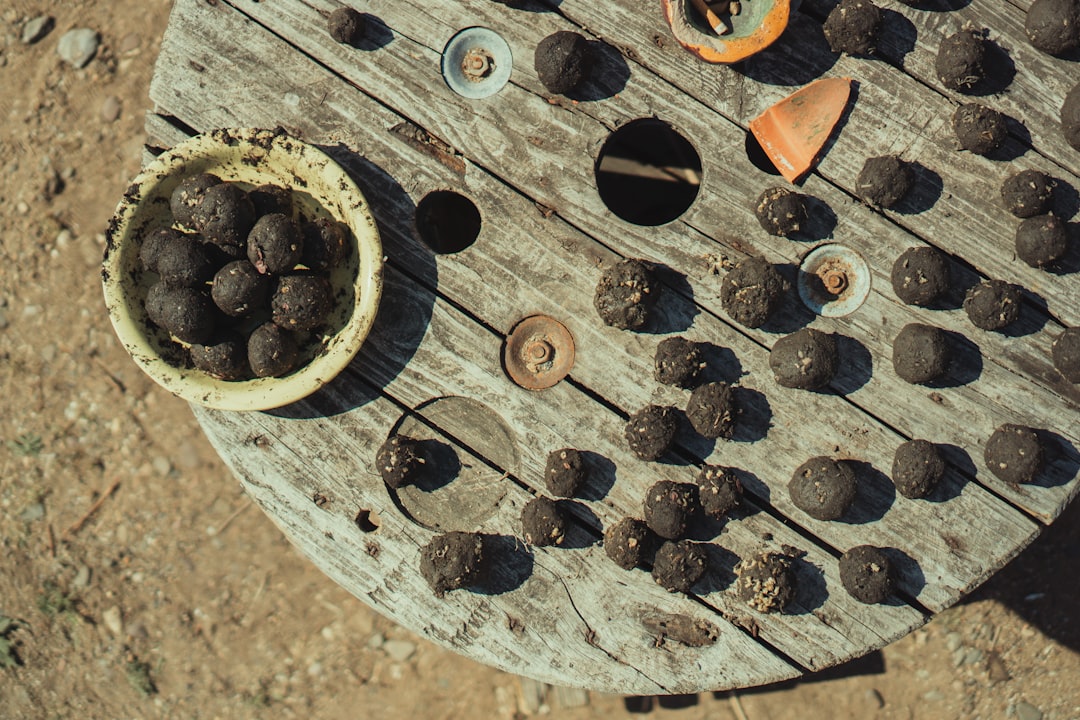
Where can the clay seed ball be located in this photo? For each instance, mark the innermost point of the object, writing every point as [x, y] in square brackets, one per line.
[917, 468]
[852, 27]
[979, 129]
[225, 216]
[268, 199]
[183, 260]
[766, 582]
[629, 543]
[993, 304]
[823, 488]
[188, 195]
[1066, 354]
[752, 291]
[239, 289]
[155, 303]
[302, 301]
[1041, 240]
[152, 245]
[711, 410]
[884, 181]
[669, 507]
[920, 275]
[400, 461]
[921, 353]
[1070, 117]
[565, 472]
[626, 294]
[867, 574]
[452, 561]
[678, 565]
[272, 350]
[719, 490]
[959, 63]
[543, 522]
[1014, 453]
[806, 359]
[346, 26]
[326, 243]
[562, 61]
[224, 357]
[187, 313]
[650, 431]
[1053, 26]
[780, 211]
[678, 362]
[275, 244]
[1028, 193]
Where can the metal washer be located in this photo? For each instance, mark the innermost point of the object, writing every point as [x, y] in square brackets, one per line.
[833, 281]
[539, 352]
[476, 63]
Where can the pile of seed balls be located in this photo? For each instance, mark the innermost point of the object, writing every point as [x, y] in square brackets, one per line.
[242, 282]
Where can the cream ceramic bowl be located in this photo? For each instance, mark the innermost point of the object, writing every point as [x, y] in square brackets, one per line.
[249, 158]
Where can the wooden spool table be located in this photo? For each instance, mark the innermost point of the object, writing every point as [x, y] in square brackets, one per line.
[432, 365]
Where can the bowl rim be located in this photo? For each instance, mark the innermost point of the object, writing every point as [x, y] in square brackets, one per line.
[191, 384]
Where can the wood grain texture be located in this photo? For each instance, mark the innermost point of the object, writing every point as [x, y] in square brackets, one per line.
[385, 114]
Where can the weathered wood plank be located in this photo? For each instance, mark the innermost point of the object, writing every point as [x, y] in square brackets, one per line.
[453, 353]
[795, 446]
[1039, 81]
[552, 625]
[1032, 355]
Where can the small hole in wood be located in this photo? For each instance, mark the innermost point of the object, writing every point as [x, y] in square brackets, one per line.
[448, 222]
[367, 520]
[647, 173]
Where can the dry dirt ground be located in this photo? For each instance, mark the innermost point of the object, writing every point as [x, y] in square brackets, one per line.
[136, 579]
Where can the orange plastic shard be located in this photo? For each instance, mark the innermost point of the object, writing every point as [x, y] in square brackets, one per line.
[793, 131]
[758, 24]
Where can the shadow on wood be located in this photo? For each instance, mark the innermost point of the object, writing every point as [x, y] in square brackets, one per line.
[966, 365]
[855, 366]
[799, 56]
[755, 415]
[876, 494]
[608, 77]
[910, 578]
[956, 477]
[510, 564]
[601, 476]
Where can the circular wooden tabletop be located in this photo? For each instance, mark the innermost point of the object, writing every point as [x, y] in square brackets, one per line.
[432, 366]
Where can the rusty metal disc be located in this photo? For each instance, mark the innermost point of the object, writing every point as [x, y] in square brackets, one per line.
[539, 352]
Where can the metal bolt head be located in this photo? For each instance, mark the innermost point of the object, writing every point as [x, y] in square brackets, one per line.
[477, 64]
[835, 281]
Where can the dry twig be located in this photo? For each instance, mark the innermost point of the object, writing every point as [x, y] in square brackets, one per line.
[93, 509]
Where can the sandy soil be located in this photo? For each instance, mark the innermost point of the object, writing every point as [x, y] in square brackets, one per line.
[136, 579]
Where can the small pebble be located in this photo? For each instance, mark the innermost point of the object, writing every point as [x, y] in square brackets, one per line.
[36, 29]
[953, 641]
[1027, 711]
[399, 650]
[78, 47]
[112, 620]
[376, 641]
[934, 696]
[110, 109]
[33, 511]
[82, 577]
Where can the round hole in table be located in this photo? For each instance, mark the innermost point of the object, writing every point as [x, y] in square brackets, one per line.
[448, 222]
[647, 173]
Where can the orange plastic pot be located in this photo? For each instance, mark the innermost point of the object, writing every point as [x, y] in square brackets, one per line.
[759, 24]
